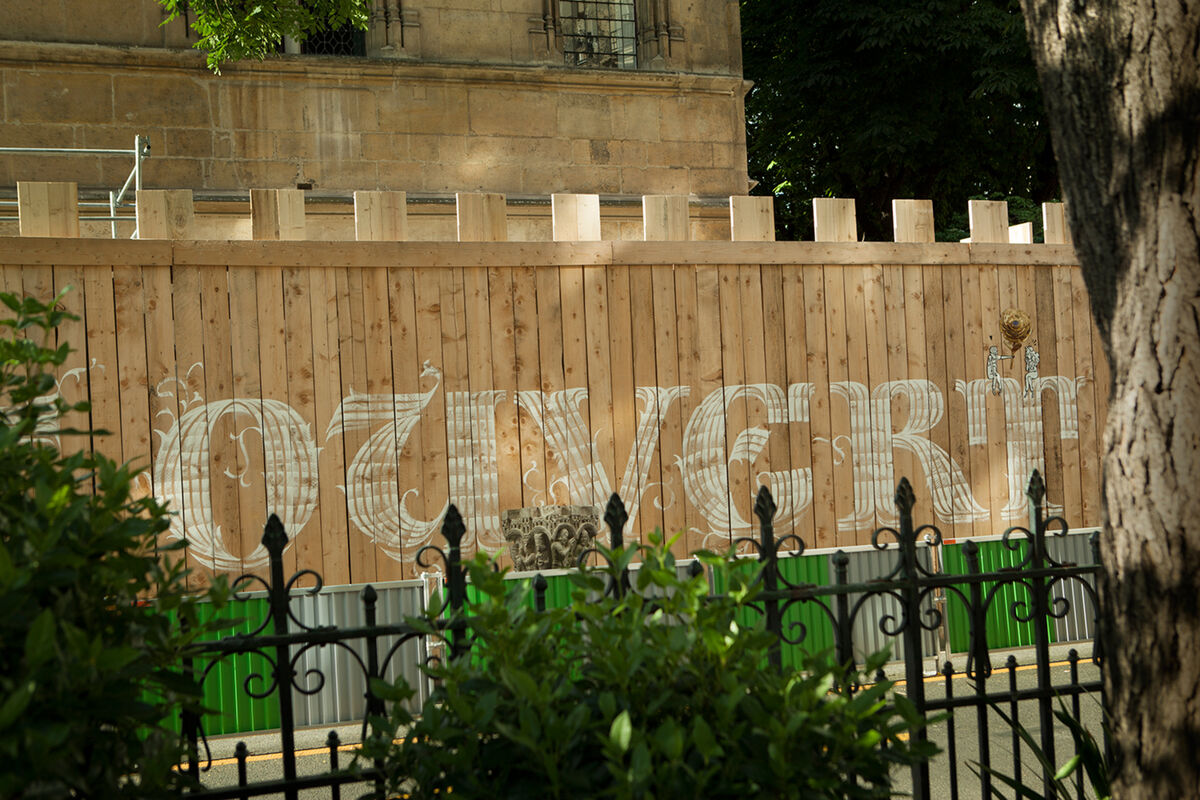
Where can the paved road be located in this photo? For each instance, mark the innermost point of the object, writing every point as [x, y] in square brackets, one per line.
[264, 763]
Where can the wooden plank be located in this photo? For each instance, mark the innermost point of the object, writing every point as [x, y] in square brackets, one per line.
[834, 220]
[1072, 497]
[165, 214]
[600, 385]
[553, 381]
[302, 477]
[474, 254]
[916, 367]
[895, 301]
[1091, 423]
[1008, 297]
[991, 303]
[837, 335]
[72, 375]
[188, 387]
[714, 532]
[688, 340]
[670, 444]
[988, 220]
[800, 519]
[935, 372]
[650, 495]
[477, 319]
[380, 216]
[878, 372]
[504, 379]
[975, 348]
[335, 530]
[352, 346]
[482, 217]
[575, 217]
[275, 373]
[816, 336]
[580, 476]
[534, 471]
[1044, 338]
[48, 209]
[856, 521]
[277, 214]
[665, 218]
[1054, 224]
[290, 211]
[460, 451]
[377, 344]
[755, 374]
[409, 380]
[626, 477]
[218, 386]
[1021, 234]
[103, 372]
[434, 455]
[733, 370]
[775, 346]
[130, 313]
[161, 385]
[752, 219]
[912, 220]
[248, 461]
[956, 367]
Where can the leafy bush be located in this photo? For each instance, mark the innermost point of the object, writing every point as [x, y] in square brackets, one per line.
[86, 687]
[656, 694]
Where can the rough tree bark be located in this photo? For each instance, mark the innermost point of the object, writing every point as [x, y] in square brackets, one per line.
[1121, 80]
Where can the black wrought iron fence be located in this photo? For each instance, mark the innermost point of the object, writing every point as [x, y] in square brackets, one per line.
[912, 600]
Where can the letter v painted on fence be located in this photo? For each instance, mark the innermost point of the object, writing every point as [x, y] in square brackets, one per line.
[569, 437]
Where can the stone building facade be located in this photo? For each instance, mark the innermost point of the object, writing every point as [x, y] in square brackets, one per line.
[525, 97]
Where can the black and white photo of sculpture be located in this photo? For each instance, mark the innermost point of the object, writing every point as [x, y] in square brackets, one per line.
[549, 537]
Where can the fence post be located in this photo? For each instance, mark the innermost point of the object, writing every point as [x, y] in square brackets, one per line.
[1041, 634]
[843, 638]
[914, 661]
[375, 708]
[456, 578]
[764, 509]
[615, 517]
[190, 720]
[539, 591]
[979, 664]
[275, 540]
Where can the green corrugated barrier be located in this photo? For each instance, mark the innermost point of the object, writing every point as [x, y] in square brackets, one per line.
[1003, 630]
[816, 623]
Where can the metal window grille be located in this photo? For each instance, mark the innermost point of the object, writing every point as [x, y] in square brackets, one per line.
[599, 33]
[344, 41]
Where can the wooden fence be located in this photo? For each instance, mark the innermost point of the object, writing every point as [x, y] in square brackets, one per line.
[355, 388]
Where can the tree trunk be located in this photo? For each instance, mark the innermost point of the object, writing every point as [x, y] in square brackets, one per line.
[1121, 80]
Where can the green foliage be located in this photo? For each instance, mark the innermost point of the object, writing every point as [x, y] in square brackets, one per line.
[1088, 755]
[233, 30]
[86, 683]
[663, 697]
[886, 99]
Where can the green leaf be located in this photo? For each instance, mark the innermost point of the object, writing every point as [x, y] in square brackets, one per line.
[15, 703]
[669, 739]
[620, 731]
[706, 743]
[39, 642]
[1067, 768]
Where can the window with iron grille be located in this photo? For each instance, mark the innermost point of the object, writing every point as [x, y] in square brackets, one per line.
[599, 33]
[344, 41]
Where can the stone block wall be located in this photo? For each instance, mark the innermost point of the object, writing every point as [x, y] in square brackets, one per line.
[346, 124]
